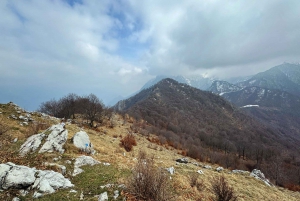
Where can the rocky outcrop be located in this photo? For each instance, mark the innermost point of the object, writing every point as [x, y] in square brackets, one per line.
[31, 144]
[81, 161]
[22, 177]
[257, 174]
[56, 139]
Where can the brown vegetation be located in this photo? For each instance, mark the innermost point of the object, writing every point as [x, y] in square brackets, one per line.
[148, 182]
[128, 142]
[222, 190]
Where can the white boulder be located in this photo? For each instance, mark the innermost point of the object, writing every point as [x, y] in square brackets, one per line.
[18, 177]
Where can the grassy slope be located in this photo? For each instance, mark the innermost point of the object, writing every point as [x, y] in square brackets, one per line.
[108, 150]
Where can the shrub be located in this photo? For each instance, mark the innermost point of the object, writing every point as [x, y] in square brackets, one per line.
[148, 182]
[194, 181]
[128, 142]
[222, 190]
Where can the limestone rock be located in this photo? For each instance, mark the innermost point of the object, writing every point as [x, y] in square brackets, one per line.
[207, 166]
[48, 181]
[103, 197]
[200, 172]
[81, 140]
[19, 177]
[260, 176]
[31, 144]
[56, 139]
[81, 161]
[182, 160]
[219, 169]
[171, 170]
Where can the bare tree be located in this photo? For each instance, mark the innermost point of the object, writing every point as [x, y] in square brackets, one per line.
[51, 107]
[92, 108]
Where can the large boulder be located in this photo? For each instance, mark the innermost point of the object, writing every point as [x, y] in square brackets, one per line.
[21, 177]
[56, 139]
[31, 144]
[81, 161]
[18, 176]
[257, 174]
[82, 141]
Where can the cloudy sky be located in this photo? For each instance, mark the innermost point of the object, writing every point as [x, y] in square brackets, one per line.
[111, 48]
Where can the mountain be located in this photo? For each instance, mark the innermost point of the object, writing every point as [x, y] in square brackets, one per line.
[277, 109]
[285, 77]
[221, 87]
[200, 82]
[192, 118]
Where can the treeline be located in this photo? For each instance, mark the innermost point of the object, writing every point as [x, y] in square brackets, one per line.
[89, 107]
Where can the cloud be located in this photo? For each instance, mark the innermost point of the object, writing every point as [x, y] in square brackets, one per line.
[218, 34]
[110, 48]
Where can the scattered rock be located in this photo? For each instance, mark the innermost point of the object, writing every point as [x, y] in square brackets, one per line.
[116, 194]
[23, 192]
[37, 195]
[260, 176]
[107, 186]
[194, 163]
[56, 139]
[106, 164]
[200, 172]
[16, 199]
[31, 144]
[171, 170]
[207, 166]
[68, 162]
[81, 196]
[73, 191]
[81, 161]
[103, 197]
[182, 160]
[240, 172]
[219, 169]
[15, 140]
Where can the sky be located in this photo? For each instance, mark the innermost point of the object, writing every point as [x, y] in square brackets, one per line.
[111, 48]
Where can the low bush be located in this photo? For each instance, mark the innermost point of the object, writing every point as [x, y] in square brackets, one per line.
[222, 191]
[148, 182]
[128, 142]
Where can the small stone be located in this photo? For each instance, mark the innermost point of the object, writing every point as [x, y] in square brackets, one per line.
[171, 170]
[200, 172]
[103, 197]
[219, 169]
[37, 195]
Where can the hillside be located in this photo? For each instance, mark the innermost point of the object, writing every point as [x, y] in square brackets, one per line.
[106, 142]
[207, 127]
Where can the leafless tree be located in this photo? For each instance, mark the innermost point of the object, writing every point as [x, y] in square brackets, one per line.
[92, 108]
